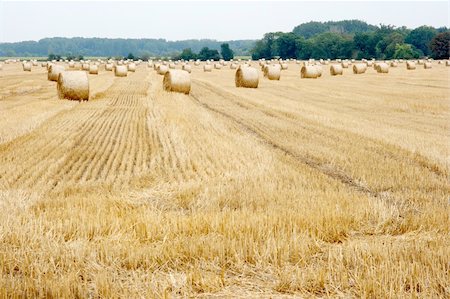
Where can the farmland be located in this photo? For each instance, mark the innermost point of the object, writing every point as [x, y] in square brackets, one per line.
[336, 186]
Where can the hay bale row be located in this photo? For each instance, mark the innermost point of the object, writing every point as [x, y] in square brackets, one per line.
[359, 68]
[120, 71]
[336, 69]
[73, 85]
[53, 72]
[246, 77]
[177, 81]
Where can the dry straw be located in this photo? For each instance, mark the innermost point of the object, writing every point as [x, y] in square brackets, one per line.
[310, 71]
[394, 64]
[53, 72]
[246, 77]
[187, 68]
[383, 68]
[284, 66]
[73, 85]
[93, 69]
[120, 71]
[207, 68]
[336, 69]
[109, 67]
[172, 66]
[177, 81]
[162, 69]
[410, 65]
[344, 64]
[85, 66]
[217, 66]
[272, 72]
[71, 64]
[359, 68]
[427, 65]
[233, 66]
[131, 67]
[27, 66]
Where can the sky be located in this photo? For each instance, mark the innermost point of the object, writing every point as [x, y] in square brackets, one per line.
[220, 20]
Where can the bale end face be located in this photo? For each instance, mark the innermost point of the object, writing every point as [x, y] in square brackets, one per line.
[246, 77]
[120, 71]
[177, 81]
[73, 85]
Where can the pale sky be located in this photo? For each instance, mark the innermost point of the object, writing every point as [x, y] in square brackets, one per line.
[221, 20]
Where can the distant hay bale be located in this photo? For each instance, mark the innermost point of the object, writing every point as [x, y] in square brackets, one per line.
[427, 65]
[155, 66]
[233, 66]
[54, 71]
[319, 69]
[93, 69]
[109, 67]
[410, 65]
[85, 66]
[284, 66]
[447, 63]
[172, 66]
[369, 63]
[420, 62]
[207, 68]
[73, 85]
[272, 72]
[217, 66]
[310, 71]
[344, 64]
[383, 68]
[44, 64]
[336, 69]
[197, 63]
[71, 64]
[177, 81]
[187, 68]
[131, 67]
[34, 63]
[120, 71]
[394, 64]
[359, 68]
[162, 69]
[246, 77]
[26, 66]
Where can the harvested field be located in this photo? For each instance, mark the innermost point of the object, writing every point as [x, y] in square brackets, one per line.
[333, 187]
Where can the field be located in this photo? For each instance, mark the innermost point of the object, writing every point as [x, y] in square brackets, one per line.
[330, 187]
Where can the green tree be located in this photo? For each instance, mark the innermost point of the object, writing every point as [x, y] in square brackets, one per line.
[226, 52]
[187, 54]
[130, 56]
[405, 51]
[421, 38]
[440, 45]
[206, 53]
[287, 45]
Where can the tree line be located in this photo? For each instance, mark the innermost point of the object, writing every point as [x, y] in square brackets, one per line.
[354, 39]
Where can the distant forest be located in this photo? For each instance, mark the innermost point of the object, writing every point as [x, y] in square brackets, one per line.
[340, 39]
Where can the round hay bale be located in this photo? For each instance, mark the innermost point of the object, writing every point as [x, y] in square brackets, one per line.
[217, 66]
[93, 69]
[109, 67]
[420, 62]
[120, 71]
[344, 64]
[427, 65]
[34, 63]
[162, 69]
[27, 67]
[43, 64]
[177, 81]
[310, 71]
[359, 68]
[131, 67]
[369, 63]
[246, 77]
[447, 63]
[272, 72]
[410, 65]
[233, 66]
[85, 66]
[53, 72]
[71, 64]
[284, 66]
[197, 63]
[155, 66]
[336, 69]
[207, 68]
[394, 64]
[73, 85]
[187, 68]
[172, 66]
[383, 68]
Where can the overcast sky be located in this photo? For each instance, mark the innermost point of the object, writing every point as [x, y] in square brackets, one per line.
[221, 20]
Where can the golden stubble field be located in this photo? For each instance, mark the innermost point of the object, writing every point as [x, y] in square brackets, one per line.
[330, 187]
